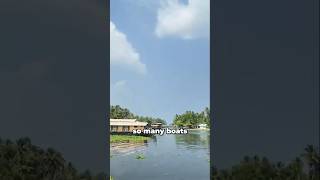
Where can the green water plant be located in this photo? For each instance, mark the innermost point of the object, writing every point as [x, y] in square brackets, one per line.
[140, 156]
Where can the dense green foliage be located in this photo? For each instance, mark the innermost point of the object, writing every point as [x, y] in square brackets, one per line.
[21, 160]
[117, 112]
[192, 119]
[305, 167]
[150, 120]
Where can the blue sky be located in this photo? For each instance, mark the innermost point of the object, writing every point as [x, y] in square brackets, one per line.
[159, 56]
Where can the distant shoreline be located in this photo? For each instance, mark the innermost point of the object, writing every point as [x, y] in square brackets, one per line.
[198, 129]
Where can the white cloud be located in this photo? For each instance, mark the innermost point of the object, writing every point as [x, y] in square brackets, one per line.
[187, 21]
[122, 52]
[120, 84]
[121, 93]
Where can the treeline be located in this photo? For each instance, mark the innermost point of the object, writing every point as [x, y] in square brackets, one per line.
[192, 119]
[117, 112]
[304, 167]
[20, 160]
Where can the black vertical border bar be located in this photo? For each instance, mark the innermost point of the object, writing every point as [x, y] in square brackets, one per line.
[106, 120]
[212, 76]
[316, 67]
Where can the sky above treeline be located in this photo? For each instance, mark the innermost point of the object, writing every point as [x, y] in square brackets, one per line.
[160, 56]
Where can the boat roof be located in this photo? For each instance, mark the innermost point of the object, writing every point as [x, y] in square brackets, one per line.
[126, 122]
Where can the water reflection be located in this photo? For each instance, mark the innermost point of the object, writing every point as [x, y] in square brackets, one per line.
[130, 147]
[173, 157]
[194, 140]
[153, 139]
[127, 148]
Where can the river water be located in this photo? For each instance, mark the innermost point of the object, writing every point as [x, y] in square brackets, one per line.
[167, 157]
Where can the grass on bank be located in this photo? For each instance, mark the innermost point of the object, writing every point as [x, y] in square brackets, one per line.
[127, 138]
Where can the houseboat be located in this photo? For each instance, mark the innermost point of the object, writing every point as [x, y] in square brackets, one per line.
[156, 125]
[126, 126]
[202, 126]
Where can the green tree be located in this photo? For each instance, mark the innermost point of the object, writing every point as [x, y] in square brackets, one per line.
[117, 112]
[191, 119]
[255, 168]
[20, 160]
[312, 158]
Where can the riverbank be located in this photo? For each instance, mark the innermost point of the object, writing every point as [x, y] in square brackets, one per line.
[128, 138]
[199, 129]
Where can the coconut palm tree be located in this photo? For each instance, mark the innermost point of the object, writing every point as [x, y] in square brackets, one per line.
[312, 158]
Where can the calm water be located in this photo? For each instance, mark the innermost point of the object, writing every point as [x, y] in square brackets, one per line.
[167, 157]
